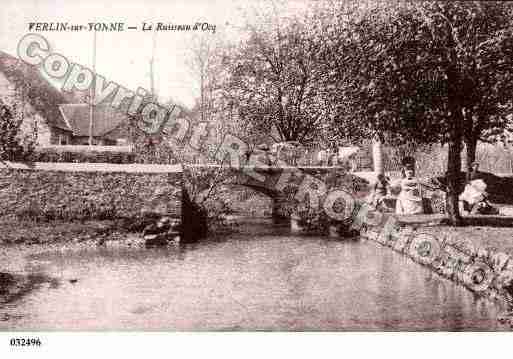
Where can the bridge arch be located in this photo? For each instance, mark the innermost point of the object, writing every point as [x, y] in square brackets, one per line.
[266, 202]
[283, 184]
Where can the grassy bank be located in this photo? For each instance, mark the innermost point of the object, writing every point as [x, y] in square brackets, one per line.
[34, 232]
[492, 233]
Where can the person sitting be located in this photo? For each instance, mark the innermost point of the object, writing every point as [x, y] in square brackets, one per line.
[380, 191]
[409, 200]
[473, 200]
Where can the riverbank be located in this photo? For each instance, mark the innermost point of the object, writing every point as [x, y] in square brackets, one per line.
[35, 232]
[21, 238]
[15, 286]
[478, 256]
[492, 233]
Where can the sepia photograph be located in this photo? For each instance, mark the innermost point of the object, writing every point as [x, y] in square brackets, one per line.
[255, 166]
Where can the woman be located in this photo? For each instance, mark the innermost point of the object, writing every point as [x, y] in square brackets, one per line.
[473, 199]
[409, 200]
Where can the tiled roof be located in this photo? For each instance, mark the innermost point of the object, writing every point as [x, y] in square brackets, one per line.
[105, 119]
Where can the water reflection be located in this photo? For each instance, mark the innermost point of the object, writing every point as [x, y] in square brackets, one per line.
[245, 282]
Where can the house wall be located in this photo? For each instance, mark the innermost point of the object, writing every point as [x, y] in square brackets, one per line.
[121, 132]
[75, 140]
[59, 137]
[31, 119]
[81, 140]
[110, 139]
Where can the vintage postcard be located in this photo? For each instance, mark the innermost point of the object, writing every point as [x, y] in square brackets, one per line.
[243, 166]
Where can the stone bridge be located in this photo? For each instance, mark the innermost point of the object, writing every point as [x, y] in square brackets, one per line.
[293, 188]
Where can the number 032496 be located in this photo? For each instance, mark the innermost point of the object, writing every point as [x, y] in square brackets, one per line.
[25, 342]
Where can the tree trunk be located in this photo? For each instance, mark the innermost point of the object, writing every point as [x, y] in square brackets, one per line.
[471, 146]
[453, 182]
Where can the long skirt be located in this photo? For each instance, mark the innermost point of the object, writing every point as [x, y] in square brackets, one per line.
[408, 206]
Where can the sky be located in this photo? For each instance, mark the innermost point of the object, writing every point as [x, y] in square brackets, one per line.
[124, 57]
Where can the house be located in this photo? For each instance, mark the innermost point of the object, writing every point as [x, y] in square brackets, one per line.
[36, 101]
[109, 126]
[53, 117]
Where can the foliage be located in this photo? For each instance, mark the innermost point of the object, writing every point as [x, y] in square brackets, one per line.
[429, 72]
[407, 69]
[205, 65]
[311, 220]
[425, 70]
[13, 147]
[152, 147]
[275, 82]
[203, 188]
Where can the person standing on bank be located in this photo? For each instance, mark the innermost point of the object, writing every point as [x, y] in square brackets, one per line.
[409, 200]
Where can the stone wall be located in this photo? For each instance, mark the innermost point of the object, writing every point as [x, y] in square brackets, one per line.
[70, 191]
[484, 271]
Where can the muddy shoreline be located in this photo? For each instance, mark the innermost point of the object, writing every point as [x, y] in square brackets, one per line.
[15, 286]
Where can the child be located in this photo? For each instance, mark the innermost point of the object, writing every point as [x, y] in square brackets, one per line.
[380, 191]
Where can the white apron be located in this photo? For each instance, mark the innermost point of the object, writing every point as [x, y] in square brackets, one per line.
[409, 200]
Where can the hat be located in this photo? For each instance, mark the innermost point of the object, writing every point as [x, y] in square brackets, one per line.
[408, 160]
[479, 185]
[474, 192]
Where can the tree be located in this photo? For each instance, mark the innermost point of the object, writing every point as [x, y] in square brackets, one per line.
[332, 25]
[12, 147]
[151, 144]
[275, 83]
[489, 49]
[204, 62]
[420, 70]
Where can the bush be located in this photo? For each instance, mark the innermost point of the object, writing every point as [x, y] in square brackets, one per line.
[13, 145]
[52, 155]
